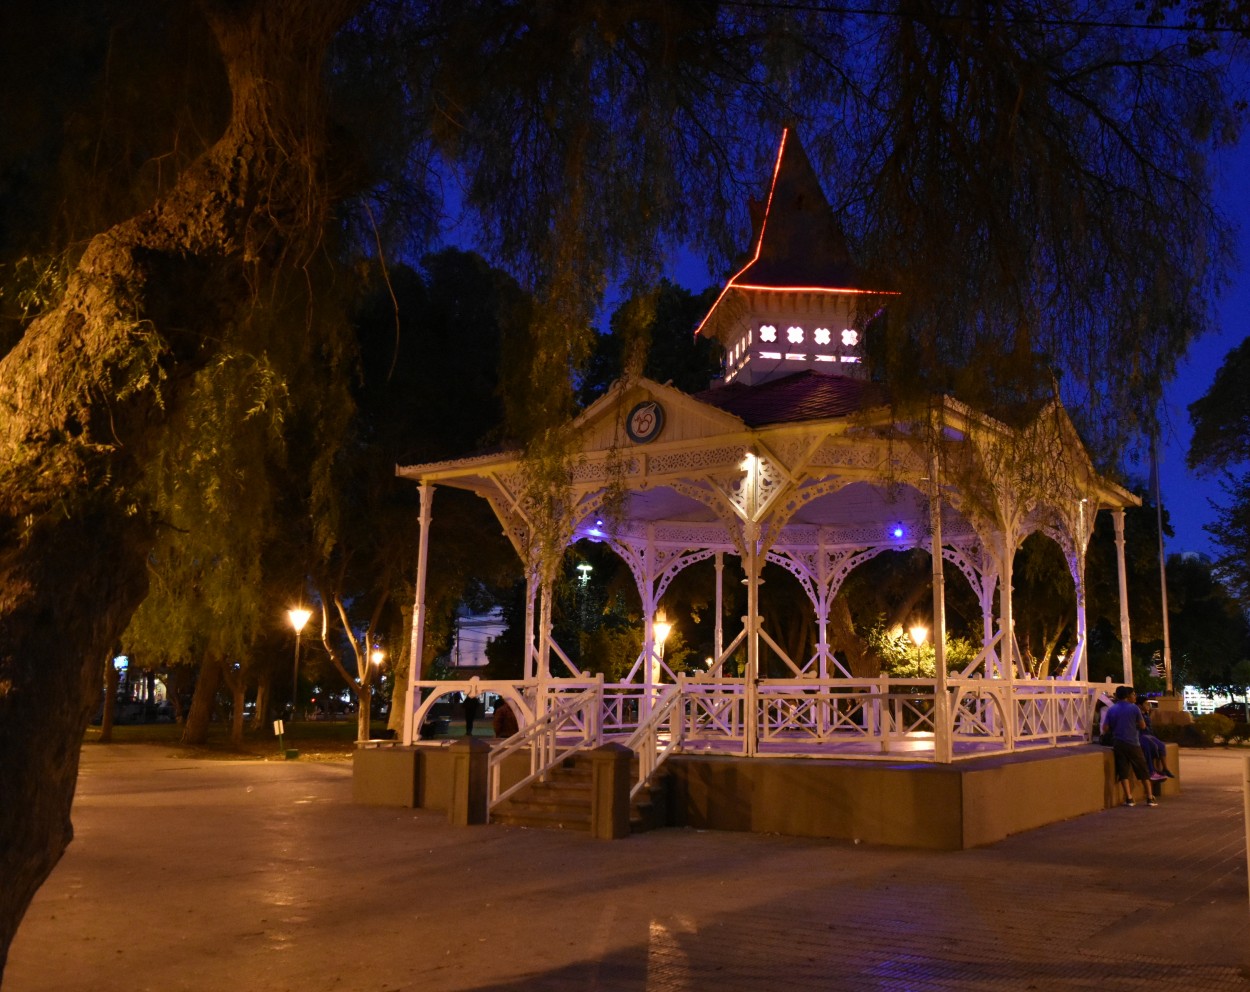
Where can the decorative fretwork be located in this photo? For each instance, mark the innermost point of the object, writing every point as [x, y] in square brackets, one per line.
[799, 570]
[601, 470]
[978, 567]
[695, 461]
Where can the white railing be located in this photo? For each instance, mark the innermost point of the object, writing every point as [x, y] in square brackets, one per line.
[716, 711]
[837, 717]
[659, 736]
[570, 724]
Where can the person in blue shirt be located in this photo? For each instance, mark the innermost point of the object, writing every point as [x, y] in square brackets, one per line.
[1124, 721]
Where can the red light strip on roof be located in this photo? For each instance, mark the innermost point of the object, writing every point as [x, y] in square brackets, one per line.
[759, 245]
[813, 289]
[759, 242]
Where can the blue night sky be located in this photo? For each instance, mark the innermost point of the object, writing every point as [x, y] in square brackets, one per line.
[1186, 496]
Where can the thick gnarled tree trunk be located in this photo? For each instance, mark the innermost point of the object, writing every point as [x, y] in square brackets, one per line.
[85, 395]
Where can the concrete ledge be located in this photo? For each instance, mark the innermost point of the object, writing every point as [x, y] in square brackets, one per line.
[421, 776]
[942, 807]
[385, 776]
[1169, 787]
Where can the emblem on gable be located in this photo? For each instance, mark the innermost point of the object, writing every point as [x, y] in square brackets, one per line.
[644, 422]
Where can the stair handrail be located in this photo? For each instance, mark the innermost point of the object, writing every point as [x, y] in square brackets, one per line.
[646, 741]
[543, 738]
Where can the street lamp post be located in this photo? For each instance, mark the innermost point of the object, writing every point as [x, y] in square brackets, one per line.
[298, 617]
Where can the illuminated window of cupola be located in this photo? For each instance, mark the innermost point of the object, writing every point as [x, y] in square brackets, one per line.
[768, 333]
[794, 335]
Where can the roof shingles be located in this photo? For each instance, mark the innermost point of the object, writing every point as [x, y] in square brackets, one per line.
[803, 396]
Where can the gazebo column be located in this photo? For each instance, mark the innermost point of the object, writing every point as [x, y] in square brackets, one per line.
[752, 620]
[1007, 650]
[529, 668]
[986, 599]
[1082, 625]
[943, 749]
[718, 637]
[544, 643]
[417, 647]
[822, 608]
[1126, 644]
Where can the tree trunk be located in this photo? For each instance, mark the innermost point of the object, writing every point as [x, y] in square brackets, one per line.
[200, 715]
[238, 696]
[259, 715]
[364, 707]
[236, 685]
[108, 709]
[86, 394]
[399, 696]
[862, 661]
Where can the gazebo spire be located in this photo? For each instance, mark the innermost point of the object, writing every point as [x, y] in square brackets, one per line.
[797, 241]
[797, 303]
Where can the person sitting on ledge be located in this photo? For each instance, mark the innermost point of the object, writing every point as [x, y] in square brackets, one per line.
[1155, 750]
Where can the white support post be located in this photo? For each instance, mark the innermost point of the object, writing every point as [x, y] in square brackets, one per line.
[752, 674]
[544, 631]
[1082, 625]
[718, 636]
[1007, 620]
[529, 668]
[417, 647]
[822, 607]
[943, 750]
[1126, 645]
[1081, 545]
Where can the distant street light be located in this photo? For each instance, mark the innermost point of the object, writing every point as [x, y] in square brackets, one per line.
[919, 634]
[298, 617]
[585, 568]
[377, 656]
[661, 627]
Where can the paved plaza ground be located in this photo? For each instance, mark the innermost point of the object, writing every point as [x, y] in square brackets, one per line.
[252, 876]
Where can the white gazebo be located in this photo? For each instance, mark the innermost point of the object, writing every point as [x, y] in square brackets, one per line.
[797, 459]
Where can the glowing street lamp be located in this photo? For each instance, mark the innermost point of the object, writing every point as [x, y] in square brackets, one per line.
[919, 634]
[377, 656]
[298, 617]
[662, 628]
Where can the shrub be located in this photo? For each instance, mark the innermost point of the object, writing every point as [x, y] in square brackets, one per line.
[1240, 733]
[1170, 732]
[1212, 726]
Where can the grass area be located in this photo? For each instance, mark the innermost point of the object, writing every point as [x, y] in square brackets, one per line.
[316, 740]
[320, 740]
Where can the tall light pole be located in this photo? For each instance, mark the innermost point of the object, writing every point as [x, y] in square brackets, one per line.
[298, 617]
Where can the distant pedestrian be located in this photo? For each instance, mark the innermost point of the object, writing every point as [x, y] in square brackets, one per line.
[470, 713]
[505, 724]
[1124, 721]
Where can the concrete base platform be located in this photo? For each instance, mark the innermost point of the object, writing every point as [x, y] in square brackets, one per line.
[904, 804]
[917, 805]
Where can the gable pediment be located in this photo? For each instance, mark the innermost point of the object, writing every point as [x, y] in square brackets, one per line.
[644, 415]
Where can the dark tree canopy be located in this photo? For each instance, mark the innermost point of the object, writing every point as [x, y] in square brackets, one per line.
[1221, 444]
[1221, 416]
[191, 184]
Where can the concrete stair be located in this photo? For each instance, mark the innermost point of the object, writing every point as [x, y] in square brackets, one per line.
[563, 801]
[560, 803]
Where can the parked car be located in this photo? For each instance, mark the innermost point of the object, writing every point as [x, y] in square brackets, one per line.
[1236, 711]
